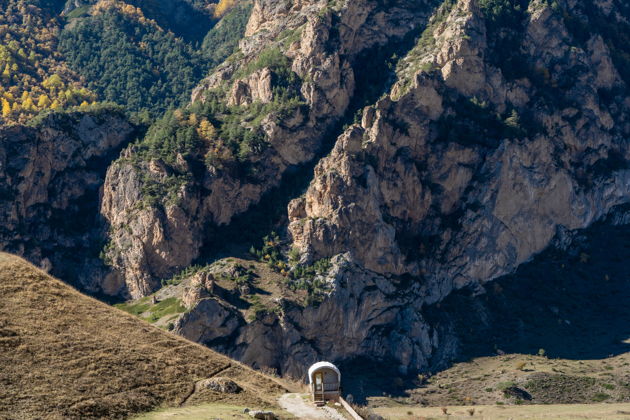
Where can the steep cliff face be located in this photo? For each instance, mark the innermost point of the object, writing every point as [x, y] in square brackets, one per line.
[50, 176]
[475, 161]
[365, 315]
[462, 173]
[289, 84]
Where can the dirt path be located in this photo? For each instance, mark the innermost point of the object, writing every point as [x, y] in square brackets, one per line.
[303, 409]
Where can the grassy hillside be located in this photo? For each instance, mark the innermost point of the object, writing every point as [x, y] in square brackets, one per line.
[517, 386]
[65, 355]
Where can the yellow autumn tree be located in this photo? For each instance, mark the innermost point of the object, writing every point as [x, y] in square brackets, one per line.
[223, 7]
[6, 74]
[55, 105]
[43, 101]
[6, 108]
[206, 130]
[27, 104]
[53, 82]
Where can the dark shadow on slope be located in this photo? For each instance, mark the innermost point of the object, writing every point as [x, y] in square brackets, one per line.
[573, 303]
[81, 229]
[362, 378]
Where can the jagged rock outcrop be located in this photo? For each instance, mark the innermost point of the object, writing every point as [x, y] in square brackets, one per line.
[366, 315]
[464, 172]
[364, 308]
[50, 176]
[310, 41]
[404, 197]
[492, 141]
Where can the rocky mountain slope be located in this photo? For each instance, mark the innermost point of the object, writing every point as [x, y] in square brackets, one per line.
[54, 153]
[51, 173]
[58, 358]
[452, 141]
[501, 128]
[269, 110]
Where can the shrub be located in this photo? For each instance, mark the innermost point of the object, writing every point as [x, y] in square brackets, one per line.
[272, 58]
[184, 274]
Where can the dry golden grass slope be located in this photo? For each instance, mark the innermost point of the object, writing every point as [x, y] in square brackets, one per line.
[65, 355]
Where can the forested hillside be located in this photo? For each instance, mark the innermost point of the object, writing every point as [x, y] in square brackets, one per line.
[33, 73]
[146, 55]
[130, 58]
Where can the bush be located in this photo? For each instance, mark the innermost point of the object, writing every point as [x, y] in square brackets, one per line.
[184, 274]
[600, 397]
[272, 58]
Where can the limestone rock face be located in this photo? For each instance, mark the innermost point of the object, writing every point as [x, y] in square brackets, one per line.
[488, 143]
[50, 177]
[257, 87]
[405, 201]
[360, 303]
[155, 241]
[210, 319]
[152, 241]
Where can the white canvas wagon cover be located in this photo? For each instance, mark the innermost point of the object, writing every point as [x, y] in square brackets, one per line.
[321, 365]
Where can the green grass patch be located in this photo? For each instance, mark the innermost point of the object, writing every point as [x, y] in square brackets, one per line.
[136, 308]
[166, 307]
[170, 306]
